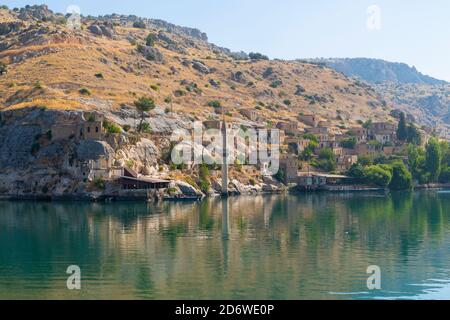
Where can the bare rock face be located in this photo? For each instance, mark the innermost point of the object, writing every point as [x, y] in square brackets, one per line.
[101, 30]
[39, 13]
[107, 31]
[8, 27]
[152, 54]
[187, 190]
[145, 151]
[93, 150]
[16, 145]
[95, 29]
[268, 72]
[299, 90]
[200, 67]
[238, 77]
[239, 55]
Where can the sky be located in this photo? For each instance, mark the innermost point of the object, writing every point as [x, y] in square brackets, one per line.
[416, 32]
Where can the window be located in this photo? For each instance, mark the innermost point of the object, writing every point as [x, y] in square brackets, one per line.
[89, 129]
[96, 129]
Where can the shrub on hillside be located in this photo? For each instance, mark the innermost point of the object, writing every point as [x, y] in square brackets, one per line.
[2, 68]
[257, 56]
[139, 24]
[85, 92]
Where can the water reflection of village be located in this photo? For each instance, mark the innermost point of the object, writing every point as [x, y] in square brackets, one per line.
[246, 247]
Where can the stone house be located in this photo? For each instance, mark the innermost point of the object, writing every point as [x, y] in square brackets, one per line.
[383, 132]
[345, 162]
[389, 150]
[91, 129]
[361, 134]
[309, 119]
[367, 149]
[384, 138]
[250, 114]
[64, 131]
[290, 128]
[323, 124]
[338, 151]
[289, 167]
[216, 124]
[318, 130]
[299, 144]
[383, 126]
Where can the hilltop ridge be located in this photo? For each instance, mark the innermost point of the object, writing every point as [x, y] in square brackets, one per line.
[48, 64]
[378, 70]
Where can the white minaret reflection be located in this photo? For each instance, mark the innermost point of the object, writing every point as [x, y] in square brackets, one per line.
[225, 220]
[225, 159]
[225, 234]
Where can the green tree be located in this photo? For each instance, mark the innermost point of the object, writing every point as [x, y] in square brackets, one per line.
[365, 160]
[444, 177]
[150, 40]
[367, 124]
[433, 159]
[401, 177]
[257, 56]
[416, 161]
[139, 24]
[445, 154]
[445, 162]
[204, 177]
[327, 160]
[402, 131]
[307, 154]
[309, 136]
[356, 171]
[215, 104]
[379, 175]
[144, 105]
[2, 68]
[348, 143]
[413, 135]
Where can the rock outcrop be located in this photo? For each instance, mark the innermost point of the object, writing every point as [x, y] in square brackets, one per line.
[151, 54]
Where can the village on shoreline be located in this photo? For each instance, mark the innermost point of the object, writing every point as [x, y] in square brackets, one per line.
[104, 130]
[375, 156]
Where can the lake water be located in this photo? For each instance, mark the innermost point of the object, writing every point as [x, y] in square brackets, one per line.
[315, 246]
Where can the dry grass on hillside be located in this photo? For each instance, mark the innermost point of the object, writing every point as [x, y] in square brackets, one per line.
[66, 64]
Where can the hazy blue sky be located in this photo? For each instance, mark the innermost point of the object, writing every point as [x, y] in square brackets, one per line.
[416, 32]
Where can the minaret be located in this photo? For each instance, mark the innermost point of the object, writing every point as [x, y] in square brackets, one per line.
[224, 159]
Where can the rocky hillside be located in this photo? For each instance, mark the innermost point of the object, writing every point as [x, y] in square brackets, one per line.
[426, 104]
[54, 77]
[425, 99]
[48, 64]
[377, 71]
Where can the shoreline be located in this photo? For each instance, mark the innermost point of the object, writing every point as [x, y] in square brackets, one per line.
[294, 191]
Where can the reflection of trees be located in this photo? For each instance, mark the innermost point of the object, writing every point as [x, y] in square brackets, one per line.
[273, 247]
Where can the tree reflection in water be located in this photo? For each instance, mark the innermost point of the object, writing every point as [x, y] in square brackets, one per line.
[268, 247]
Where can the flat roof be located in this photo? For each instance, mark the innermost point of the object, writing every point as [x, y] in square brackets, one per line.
[324, 175]
[148, 180]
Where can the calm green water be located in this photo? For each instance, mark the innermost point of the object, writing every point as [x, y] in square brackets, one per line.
[274, 247]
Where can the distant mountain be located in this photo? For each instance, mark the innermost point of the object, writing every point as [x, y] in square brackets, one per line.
[423, 98]
[377, 71]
